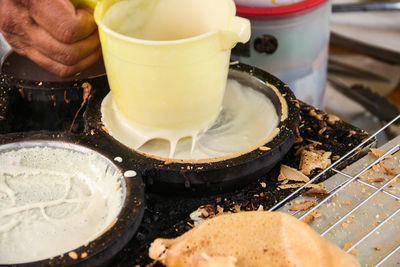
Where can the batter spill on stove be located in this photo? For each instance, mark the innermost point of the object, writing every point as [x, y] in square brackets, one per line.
[248, 118]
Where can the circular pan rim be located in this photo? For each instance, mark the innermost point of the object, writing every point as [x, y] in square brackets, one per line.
[108, 244]
[204, 178]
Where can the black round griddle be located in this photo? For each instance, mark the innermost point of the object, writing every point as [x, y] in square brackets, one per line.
[101, 250]
[168, 177]
[42, 100]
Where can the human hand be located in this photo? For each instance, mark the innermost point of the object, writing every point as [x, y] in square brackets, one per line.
[54, 34]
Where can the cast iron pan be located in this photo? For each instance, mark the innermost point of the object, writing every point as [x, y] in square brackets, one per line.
[168, 177]
[42, 100]
[101, 250]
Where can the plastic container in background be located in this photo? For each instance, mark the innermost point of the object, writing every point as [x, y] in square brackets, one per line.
[289, 41]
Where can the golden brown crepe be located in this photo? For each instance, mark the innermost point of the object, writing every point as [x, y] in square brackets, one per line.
[250, 239]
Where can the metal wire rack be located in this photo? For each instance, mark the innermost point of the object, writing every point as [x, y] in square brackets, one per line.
[362, 211]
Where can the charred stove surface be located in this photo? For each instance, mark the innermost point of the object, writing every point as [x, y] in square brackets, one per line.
[168, 216]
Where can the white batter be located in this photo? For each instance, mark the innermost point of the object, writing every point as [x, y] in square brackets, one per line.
[53, 201]
[248, 118]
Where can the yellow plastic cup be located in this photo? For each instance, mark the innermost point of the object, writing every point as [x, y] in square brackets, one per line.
[171, 71]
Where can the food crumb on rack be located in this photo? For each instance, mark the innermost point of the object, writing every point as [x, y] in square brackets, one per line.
[312, 216]
[317, 192]
[387, 170]
[306, 204]
[353, 251]
[375, 167]
[377, 248]
[346, 223]
[379, 153]
[347, 203]
[376, 180]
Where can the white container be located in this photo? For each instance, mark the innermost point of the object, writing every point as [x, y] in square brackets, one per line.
[300, 32]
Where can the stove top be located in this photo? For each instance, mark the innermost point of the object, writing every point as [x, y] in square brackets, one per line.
[165, 215]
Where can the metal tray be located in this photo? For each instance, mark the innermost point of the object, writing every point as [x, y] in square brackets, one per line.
[362, 212]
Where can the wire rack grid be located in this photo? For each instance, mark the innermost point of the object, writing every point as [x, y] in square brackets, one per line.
[361, 213]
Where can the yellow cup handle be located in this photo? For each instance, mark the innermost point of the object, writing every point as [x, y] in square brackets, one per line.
[85, 3]
[239, 31]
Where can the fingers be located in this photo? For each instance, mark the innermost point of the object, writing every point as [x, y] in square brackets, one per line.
[51, 33]
[60, 19]
[57, 68]
[68, 54]
[13, 20]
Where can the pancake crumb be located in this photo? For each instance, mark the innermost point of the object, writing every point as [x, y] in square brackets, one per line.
[312, 216]
[387, 170]
[73, 255]
[291, 174]
[353, 251]
[379, 153]
[315, 159]
[317, 192]
[306, 204]
[376, 180]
